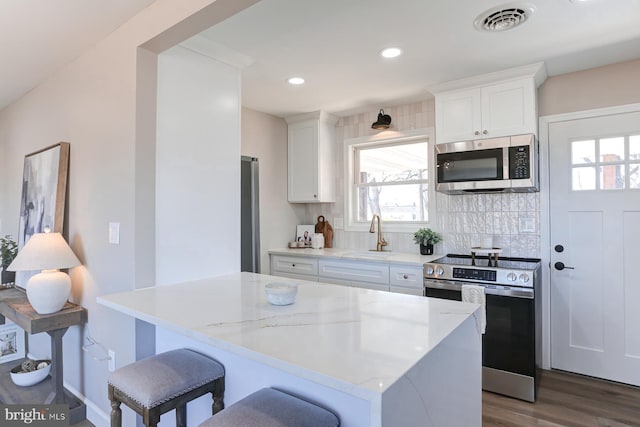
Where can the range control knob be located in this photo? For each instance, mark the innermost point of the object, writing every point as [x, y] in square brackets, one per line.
[429, 270]
[439, 271]
[511, 277]
[524, 278]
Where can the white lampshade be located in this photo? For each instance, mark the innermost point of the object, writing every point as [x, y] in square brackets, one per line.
[44, 251]
[49, 290]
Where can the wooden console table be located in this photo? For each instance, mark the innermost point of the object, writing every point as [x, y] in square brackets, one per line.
[15, 306]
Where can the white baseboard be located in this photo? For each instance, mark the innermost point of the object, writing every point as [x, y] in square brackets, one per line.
[95, 415]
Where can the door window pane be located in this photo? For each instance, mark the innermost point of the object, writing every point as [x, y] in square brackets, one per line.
[584, 179]
[612, 177]
[612, 149]
[583, 152]
[634, 175]
[634, 147]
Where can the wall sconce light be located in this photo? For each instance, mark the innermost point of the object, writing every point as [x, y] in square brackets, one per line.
[48, 290]
[383, 122]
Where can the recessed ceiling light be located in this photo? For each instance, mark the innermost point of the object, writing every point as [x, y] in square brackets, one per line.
[296, 80]
[390, 52]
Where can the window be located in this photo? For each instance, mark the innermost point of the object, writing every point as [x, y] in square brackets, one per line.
[389, 178]
[611, 163]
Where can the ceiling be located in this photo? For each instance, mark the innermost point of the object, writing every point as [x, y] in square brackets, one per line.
[334, 45]
[37, 37]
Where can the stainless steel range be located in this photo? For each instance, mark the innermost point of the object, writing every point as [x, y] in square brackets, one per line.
[510, 345]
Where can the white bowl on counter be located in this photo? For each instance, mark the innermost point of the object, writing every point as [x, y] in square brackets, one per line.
[281, 293]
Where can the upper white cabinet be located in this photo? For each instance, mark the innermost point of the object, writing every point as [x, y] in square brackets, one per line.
[488, 106]
[311, 158]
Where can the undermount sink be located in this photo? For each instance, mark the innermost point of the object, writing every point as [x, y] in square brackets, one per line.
[369, 254]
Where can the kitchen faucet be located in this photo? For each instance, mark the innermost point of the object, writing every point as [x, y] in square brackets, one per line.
[381, 242]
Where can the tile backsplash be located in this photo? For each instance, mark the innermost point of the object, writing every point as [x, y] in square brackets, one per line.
[512, 220]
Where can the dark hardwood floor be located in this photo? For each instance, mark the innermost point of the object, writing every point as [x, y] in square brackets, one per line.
[566, 400]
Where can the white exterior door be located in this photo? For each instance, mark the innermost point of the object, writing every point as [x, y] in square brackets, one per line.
[595, 232]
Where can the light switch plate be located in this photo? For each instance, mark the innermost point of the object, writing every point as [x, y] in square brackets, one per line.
[114, 233]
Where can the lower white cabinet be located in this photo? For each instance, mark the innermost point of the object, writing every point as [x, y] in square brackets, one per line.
[303, 268]
[406, 279]
[358, 274]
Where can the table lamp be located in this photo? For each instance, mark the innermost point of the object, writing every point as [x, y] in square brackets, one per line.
[49, 290]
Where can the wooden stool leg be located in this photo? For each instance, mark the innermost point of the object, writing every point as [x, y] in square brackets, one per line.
[181, 416]
[116, 414]
[218, 396]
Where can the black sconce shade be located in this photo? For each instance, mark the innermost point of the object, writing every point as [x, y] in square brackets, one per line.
[383, 122]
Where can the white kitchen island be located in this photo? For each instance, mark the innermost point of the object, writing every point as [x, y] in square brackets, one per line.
[374, 358]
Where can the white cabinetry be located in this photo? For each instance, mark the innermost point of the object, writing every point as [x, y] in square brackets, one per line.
[381, 276]
[354, 273]
[311, 158]
[487, 107]
[302, 268]
[406, 280]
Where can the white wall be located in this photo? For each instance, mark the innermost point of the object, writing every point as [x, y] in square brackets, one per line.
[198, 167]
[265, 137]
[93, 103]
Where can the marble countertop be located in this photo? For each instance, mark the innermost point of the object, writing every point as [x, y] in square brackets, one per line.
[414, 259]
[357, 340]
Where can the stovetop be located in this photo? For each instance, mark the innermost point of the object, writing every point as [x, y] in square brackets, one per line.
[483, 261]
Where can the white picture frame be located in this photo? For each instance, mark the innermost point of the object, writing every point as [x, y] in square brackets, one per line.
[12, 342]
[304, 233]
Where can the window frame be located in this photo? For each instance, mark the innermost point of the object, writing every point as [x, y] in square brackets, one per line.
[385, 139]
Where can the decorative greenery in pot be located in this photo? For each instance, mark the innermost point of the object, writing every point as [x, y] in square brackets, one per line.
[426, 238]
[8, 251]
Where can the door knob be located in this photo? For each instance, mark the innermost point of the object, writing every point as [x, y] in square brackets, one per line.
[559, 248]
[560, 266]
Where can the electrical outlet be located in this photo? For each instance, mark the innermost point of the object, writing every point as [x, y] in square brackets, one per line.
[112, 360]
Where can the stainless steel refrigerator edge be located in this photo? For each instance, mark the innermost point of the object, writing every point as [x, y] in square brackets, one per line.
[249, 216]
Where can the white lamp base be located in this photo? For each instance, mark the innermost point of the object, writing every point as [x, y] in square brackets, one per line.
[48, 291]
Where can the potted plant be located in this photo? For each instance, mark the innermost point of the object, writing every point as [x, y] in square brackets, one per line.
[8, 251]
[426, 238]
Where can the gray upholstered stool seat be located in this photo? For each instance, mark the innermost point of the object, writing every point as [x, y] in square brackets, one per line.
[272, 408]
[167, 381]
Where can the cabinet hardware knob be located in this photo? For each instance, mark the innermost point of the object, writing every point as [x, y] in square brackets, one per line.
[405, 276]
[293, 265]
[485, 131]
[476, 133]
[315, 196]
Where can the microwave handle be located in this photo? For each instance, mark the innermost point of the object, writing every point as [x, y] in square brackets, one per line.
[505, 163]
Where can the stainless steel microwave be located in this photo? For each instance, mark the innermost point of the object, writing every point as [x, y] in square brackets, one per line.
[507, 164]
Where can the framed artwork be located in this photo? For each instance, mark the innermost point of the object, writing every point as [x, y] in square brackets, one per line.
[44, 186]
[304, 233]
[11, 342]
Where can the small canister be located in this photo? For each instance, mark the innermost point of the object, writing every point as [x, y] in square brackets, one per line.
[317, 241]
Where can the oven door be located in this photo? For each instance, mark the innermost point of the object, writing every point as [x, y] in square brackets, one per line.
[509, 340]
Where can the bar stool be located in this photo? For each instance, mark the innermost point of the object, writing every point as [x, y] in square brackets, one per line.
[160, 383]
[272, 408]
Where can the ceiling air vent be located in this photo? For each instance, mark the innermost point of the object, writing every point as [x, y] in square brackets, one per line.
[505, 17]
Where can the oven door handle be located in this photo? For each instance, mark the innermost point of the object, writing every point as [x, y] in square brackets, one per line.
[505, 291]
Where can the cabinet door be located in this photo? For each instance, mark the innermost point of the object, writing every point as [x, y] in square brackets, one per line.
[407, 277]
[303, 162]
[294, 265]
[354, 271]
[458, 116]
[508, 109]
